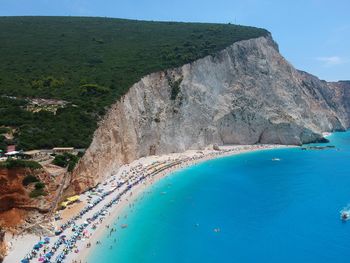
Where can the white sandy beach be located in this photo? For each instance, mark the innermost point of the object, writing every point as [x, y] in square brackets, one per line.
[155, 166]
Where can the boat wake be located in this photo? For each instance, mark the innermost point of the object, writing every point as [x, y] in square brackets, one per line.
[276, 159]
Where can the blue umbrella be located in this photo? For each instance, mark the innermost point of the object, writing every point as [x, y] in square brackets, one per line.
[25, 260]
[37, 246]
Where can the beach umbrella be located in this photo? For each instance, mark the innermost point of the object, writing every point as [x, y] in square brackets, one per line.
[25, 260]
[47, 239]
[41, 259]
[36, 246]
[63, 236]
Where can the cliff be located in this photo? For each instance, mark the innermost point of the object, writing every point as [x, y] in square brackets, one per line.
[3, 248]
[19, 208]
[246, 94]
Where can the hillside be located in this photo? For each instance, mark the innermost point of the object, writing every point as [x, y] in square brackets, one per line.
[247, 94]
[87, 64]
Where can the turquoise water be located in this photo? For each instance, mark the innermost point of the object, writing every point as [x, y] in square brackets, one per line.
[267, 211]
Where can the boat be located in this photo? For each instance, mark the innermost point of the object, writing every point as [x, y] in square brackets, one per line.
[276, 159]
[345, 214]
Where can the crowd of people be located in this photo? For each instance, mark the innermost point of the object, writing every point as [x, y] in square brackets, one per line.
[125, 182]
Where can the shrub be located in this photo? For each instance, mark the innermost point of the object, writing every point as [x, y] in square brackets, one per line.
[4, 130]
[39, 185]
[93, 89]
[175, 88]
[29, 179]
[3, 144]
[12, 163]
[71, 166]
[60, 160]
[47, 82]
[37, 192]
[65, 160]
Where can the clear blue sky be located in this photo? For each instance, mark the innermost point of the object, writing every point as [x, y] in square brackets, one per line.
[314, 35]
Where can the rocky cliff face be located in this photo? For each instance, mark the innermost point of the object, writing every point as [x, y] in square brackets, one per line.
[12, 192]
[17, 209]
[2, 245]
[246, 94]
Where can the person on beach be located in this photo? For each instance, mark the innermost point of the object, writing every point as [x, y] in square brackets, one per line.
[136, 176]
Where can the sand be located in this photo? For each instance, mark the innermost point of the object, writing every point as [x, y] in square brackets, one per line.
[20, 246]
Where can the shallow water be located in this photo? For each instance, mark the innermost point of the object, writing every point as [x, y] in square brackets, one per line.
[266, 211]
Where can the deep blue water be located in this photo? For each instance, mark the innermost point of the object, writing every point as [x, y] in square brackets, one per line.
[267, 211]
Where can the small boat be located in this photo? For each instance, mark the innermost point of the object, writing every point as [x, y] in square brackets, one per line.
[276, 159]
[345, 215]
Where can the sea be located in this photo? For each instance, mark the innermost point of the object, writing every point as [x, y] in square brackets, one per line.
[270, 206]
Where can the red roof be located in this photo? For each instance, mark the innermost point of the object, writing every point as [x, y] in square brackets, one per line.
[11, 148]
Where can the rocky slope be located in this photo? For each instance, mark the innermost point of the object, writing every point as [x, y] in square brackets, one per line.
[246, 94]
[2, 245]
[18, 210]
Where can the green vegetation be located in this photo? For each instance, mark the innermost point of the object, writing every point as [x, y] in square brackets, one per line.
[38, 187]
[175, 88]
[65, 160]
[90, 62]
[3, 144]
[71, 126]
[29, 179]
[3, 141]
[4, 130]
[37, 192]
[12, 163]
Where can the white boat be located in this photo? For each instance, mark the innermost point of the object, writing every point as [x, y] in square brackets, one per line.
[276, 159]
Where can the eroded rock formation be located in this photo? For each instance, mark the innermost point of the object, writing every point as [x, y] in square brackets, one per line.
[246, 94]
[17, 209]
[3, 248]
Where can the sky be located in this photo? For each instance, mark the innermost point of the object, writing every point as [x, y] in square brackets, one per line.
[314, 35]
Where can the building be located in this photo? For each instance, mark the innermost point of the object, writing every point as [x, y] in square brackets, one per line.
[11, 148]
[13, 154]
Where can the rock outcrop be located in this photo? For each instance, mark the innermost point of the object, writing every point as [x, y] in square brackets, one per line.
[12, 192]
[246, 94]
[3, 248]
[17, 209]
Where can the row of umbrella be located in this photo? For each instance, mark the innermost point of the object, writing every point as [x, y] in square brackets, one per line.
[71, 222]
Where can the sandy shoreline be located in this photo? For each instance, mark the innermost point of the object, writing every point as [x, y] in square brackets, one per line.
[22, 245]
[140, 189]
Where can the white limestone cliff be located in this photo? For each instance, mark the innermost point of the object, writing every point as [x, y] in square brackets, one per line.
[246, 94]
